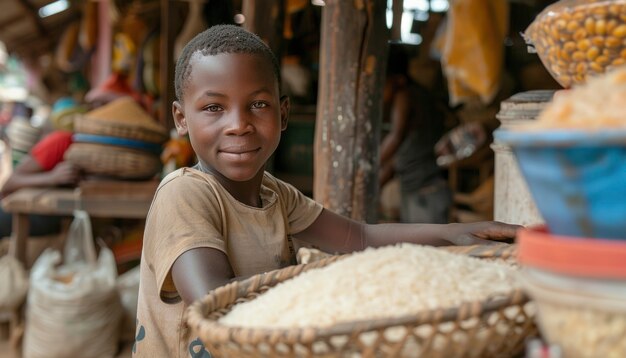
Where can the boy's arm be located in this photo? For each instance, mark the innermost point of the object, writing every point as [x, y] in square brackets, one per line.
[334, 233]
[200, 270]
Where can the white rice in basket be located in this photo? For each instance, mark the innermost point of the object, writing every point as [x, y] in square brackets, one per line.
[376, 283]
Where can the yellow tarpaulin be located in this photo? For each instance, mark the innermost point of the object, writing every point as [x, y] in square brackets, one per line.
[472, 48]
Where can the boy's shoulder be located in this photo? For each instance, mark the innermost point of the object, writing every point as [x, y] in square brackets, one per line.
[190, 177]
[274, 183]
[280, 187]
[184, 177]
[178, 173]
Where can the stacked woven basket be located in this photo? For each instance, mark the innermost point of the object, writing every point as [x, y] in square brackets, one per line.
[118, 140]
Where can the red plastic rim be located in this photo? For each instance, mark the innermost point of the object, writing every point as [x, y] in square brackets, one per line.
[571, 255]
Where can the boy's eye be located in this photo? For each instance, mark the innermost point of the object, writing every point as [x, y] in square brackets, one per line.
[257, 105]
[212, 108]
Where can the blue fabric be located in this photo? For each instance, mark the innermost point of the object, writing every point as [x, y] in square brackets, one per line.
[118, 141]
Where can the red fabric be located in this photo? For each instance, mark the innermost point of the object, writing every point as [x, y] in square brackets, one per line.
[50, 150]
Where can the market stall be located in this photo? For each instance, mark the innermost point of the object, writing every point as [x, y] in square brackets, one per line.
[116, 62]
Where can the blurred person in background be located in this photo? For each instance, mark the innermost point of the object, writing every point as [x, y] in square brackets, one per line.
[407, 150]
[43, 166]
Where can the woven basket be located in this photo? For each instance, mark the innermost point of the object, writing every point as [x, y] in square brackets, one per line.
[122, 118]
[112, 161]
[492, 328]
[94, 126]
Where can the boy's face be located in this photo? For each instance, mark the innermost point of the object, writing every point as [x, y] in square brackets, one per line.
[233, 113]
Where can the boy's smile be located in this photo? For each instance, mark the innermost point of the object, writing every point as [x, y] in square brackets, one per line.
[233, 114]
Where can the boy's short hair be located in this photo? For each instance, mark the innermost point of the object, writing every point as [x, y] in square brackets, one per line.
[221, 39]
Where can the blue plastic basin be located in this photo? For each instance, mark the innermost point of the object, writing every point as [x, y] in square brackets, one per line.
[577, 179]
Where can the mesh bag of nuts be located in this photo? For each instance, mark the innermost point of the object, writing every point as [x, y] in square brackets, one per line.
[580, 38]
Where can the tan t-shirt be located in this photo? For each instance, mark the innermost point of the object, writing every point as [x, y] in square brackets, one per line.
[190, 210]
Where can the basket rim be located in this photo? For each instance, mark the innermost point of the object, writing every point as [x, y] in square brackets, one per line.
[242, 335]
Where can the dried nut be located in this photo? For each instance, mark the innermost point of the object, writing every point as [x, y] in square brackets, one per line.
[571, 46]
[578, 56]
[579, 16]
[600, 11]
[575, 40]
[610, 26]
[619, 31]
[613, 42]
[566, 56]
[583, 45]
[572, 26]
[596, 67]
[598, 41]
[614, 9]
[618, 62]
[602, 60]
[580, 34]
[600, 27]
[590, 26]
[592, 53]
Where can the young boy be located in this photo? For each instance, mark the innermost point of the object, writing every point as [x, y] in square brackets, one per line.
[226, 218]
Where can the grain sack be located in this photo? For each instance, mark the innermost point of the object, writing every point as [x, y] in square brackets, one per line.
[378, 283]
[73, 309]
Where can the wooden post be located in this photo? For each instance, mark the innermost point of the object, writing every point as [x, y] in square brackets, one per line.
[353, 56]
[265, 18]
[168, 35]
[397, 10]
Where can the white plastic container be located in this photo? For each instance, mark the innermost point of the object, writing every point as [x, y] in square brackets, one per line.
[513, 202]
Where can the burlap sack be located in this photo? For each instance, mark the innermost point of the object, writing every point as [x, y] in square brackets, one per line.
[73, 309]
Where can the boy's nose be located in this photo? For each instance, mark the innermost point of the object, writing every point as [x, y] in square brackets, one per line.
[238, 123]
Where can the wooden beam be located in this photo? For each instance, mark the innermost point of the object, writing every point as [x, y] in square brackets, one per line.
[396, 23]
[36, 44]
[33, 13]
[353, 57]
[10, 22]
[33, 44]
[168, 36]
[265, 18]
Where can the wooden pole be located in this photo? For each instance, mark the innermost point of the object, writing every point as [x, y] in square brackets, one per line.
[396, 22]
[265, 18]
[168, 36]
[349, 110]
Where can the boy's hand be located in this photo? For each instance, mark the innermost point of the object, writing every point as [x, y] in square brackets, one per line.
[480, 233]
